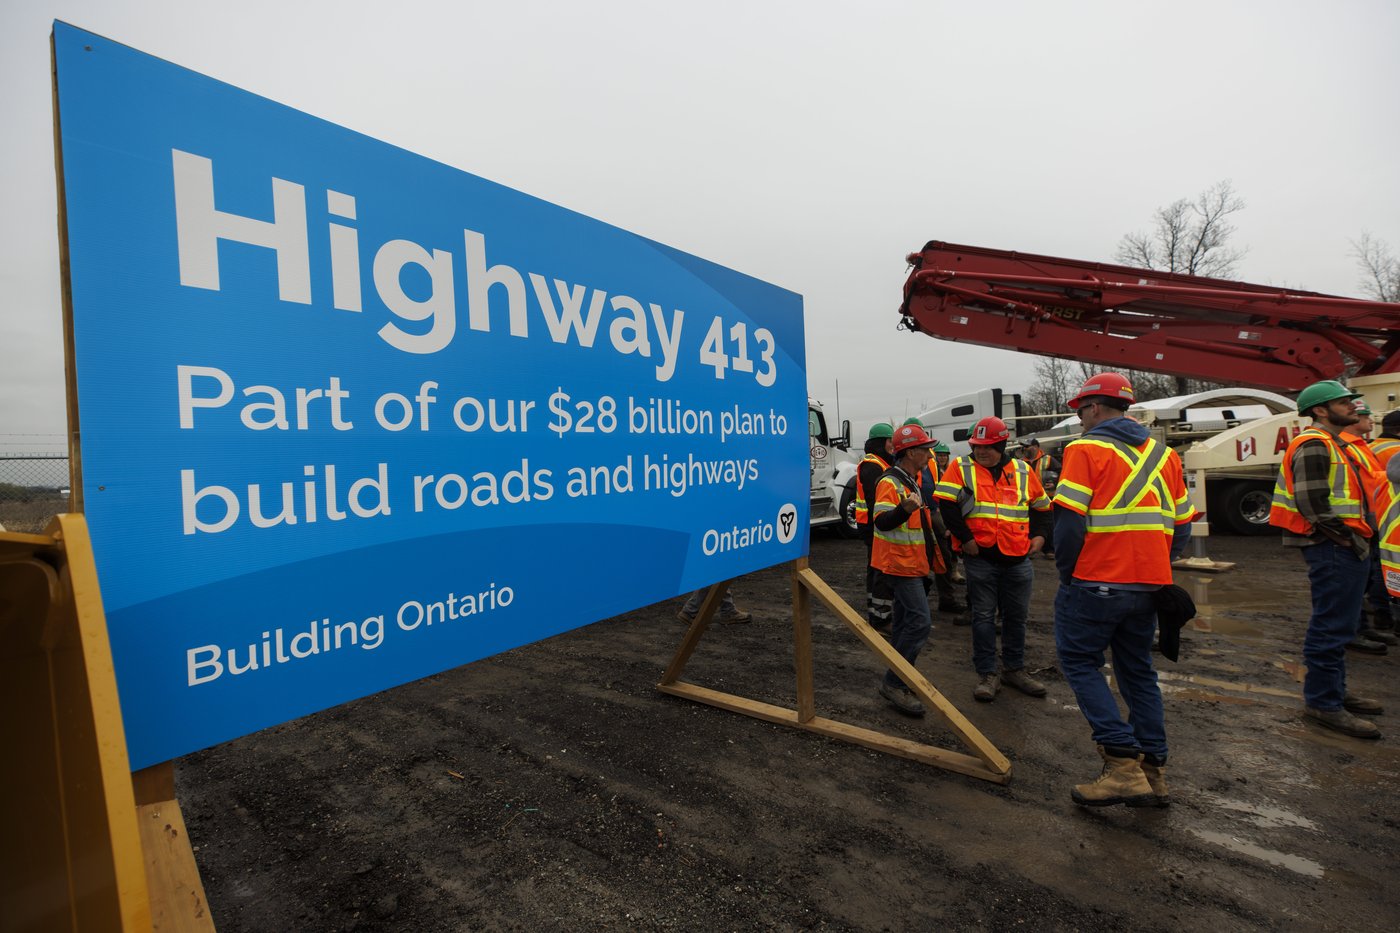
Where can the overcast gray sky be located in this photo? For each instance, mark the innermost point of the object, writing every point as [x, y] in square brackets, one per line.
[810, 144]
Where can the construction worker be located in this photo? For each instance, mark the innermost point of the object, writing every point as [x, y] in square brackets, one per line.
[1389, 534]
[942, 581]
[1122, 515]
[1319, 504]
[1046, 469]
[999, 516]
[1385, 447]
[1388, 444]
[1374, 633]
[879, 454]
[901, 555]
[728, 614]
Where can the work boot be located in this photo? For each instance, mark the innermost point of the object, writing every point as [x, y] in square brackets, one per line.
[1023, 682]
[987, 687]
[1356, 704]
[1365, 645]
[735, 617]
[1121, 781]
[686, 617]
[1155, 770]
[1380, 635]
[901, 699]
[1339, 720]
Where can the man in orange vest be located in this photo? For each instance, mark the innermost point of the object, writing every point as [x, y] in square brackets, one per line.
[1389, 534]
[1319, 502]
[903, 545]
[1388, 444]
[1122, 515]
[999, 517]
[879, 454]
[1373, 635]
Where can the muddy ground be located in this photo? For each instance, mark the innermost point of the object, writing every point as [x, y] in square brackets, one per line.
[553, 788]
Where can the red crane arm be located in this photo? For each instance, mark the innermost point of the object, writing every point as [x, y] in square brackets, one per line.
[1164, 322]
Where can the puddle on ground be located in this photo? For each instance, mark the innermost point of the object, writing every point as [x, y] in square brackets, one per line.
[1295, 669]
[1225, 625]
[1237, 686]
[1197, 687]
[1260, 814]
[1294, 863]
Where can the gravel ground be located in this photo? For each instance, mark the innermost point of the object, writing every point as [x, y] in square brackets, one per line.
[554, 788]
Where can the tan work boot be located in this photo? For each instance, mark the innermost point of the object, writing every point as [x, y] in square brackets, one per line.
[1121, 781]
[1023, 682]
[987, 687]
[1156, 773]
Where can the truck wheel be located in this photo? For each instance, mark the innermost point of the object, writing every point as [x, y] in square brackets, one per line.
[1243, 507]
[847, 526]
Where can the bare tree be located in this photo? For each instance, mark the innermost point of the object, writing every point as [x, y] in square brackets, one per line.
[1380, 278]
[1189, 236]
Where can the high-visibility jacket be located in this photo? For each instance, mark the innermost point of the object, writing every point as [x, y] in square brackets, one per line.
[862, 502]
[997, 511]
[1384, 448]
[1388, 538]
[1039, 465]
[1344, 480]
[900, 551]
[1132, 499]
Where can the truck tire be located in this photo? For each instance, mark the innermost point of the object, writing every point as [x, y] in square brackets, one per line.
[1243, 508]
[847, 527]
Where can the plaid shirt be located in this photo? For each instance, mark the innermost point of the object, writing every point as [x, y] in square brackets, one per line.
[1311, 465]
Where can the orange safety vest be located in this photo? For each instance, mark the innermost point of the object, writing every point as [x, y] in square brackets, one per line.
[1133, 499]
[997, 512]
[1384, 448]
[1039, 465]
[1388, 538]
[900, 551]
[862, 504]
[1348, 487]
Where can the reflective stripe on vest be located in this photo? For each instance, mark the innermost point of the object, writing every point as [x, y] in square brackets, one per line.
[862, 506]
[1125, 511]
[1342, 479]
[1389, 540]
[899, 551]
[993, 521]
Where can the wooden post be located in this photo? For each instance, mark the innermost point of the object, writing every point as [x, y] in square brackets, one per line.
[802, 644]
[986, 762]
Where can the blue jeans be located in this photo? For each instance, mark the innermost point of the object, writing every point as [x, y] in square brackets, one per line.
[1090, 620]
[1338, 580]
[912, 621]
[992, 586]
[726, 603]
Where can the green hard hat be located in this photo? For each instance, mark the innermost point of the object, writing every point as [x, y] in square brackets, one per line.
[1362, 408]
[1320, 393]
[941, 448]
[909, 421]
[881, 429]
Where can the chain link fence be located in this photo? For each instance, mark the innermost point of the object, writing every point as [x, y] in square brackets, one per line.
[33, 489]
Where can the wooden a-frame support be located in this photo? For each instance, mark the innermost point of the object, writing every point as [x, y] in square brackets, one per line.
[985, 762]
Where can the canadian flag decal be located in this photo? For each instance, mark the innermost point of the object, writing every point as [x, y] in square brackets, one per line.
[1244, 448]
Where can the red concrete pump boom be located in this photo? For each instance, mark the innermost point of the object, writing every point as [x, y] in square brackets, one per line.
[1163, 322]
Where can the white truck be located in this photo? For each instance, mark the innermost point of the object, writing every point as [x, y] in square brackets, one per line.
[833, 472]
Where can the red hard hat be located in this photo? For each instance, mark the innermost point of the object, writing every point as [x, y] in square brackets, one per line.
[1112, 385]
[990, 430]
[909, 436]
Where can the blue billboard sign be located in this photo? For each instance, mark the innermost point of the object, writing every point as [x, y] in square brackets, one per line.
[349, 417]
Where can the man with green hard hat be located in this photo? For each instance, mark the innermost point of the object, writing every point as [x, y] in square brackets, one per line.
[1320, 503]
[879, 455]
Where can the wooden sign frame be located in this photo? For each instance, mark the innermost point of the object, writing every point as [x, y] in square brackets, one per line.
[985, 762]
